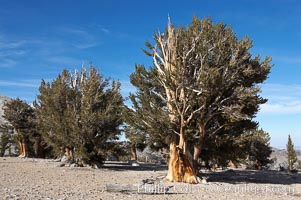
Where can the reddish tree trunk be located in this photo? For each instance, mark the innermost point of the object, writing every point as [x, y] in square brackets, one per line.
[20, 148]
[23, 148]
[69, 154]
[196, 155]
[179, 166]
[133, 152]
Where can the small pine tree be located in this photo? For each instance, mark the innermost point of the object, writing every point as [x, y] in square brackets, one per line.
[21, 116]
[291, 154]
[259, 148]
[6, 138]
[137, 140]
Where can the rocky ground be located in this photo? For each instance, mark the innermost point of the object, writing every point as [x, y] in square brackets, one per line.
[43, 179]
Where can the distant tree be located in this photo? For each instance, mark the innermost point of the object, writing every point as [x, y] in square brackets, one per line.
[291, 154]
[203, 86]
[21, 116]
[137, 140]
[258, 148]
[6, 138]
[299, 165]
[80, 114]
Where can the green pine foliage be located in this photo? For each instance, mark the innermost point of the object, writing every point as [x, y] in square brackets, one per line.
[20, 115]
[6, 138]
[22, 118]
[291, 154]
[148, 116]
[136, 138]
[81, 112]
[258, 150]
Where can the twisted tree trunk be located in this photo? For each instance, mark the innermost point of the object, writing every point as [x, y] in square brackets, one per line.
[133, 152]
[180, 166]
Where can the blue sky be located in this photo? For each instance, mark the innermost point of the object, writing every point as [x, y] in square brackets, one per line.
[38, 39]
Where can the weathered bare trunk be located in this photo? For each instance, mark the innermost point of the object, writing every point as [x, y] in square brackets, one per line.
[69, 154]
[23, 148]
[172, 159]
[232, 164]
[133, 152]
[20, 148]
[179, 166]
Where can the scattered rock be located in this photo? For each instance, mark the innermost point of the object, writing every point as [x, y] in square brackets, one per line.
[74, 165]
[135, 164]
[61, 165]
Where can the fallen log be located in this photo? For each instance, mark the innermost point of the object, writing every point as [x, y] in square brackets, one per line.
[126, 188]
[137, 188]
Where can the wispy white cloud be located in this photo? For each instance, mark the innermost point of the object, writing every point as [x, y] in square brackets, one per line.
[106, 31]
[63, 60]
[21, 83]
[11, 44]
[16, 52]
[7, 63]
[288, 59]
[80, 38]
[10, 51]
[99, 28]
[281, 108]
[282, 99]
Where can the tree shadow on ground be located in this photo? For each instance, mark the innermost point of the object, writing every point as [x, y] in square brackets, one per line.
[123, 166]
[253, 176]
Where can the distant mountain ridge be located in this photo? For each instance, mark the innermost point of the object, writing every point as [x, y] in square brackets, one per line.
[3, 99]
[280, 154]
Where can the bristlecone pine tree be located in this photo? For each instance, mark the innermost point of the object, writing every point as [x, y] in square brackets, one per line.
[21, 116]
[258, 150]
[147, 103]
[291, 154]
[6, 135]
[137, 140]
[80, 114]
[202, 89]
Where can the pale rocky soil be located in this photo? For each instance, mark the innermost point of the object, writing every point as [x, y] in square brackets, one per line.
[43, 179]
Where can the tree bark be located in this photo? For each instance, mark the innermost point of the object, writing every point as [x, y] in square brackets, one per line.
[25, 149]
[133, 152]
[196, 154]
[198, 149]
[21, 148]
[69, 154]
